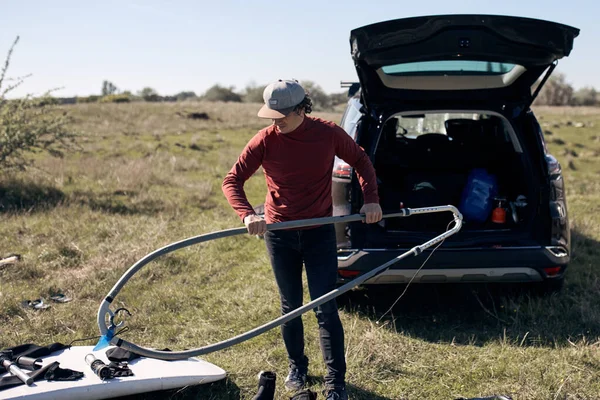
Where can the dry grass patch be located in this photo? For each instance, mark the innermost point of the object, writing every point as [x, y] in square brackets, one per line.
[147, 175]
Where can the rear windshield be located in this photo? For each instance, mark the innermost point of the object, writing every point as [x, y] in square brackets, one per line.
[448, 67]
[414, 125]
[450, 127]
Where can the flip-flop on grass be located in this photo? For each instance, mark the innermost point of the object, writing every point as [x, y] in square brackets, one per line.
[37, 304]
[60, 298]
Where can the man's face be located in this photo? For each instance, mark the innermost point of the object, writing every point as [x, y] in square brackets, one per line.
[290, 122]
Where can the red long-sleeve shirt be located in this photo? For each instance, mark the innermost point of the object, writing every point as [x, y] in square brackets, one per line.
[297, 168]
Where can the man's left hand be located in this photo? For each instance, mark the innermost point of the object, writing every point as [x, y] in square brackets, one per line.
[372, 212]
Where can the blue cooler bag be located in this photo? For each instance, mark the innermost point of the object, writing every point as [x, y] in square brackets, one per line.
[478, 195]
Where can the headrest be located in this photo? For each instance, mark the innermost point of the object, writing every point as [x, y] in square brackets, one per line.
[390, 129]
[432, 140]
[460, 128]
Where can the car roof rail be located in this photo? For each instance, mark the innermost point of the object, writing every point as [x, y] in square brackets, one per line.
[353, 87]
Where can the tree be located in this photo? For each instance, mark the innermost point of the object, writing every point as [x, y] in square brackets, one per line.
[320, 99]
[29, 125]
[149, 94]
[253, 93]
[556, 92]
[586, 96]
[185, 95]
[220, 93]
[108, 88]
[338, 98]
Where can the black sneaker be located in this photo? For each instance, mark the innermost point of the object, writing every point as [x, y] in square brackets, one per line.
[336, 393]
[296, 379]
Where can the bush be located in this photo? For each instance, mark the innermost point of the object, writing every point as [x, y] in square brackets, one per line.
[29, 125]
[587, 96]
[338, 98]
[254, 94]
[46, 101]
[115, 98]
[182, 96]
[88, 99]
[320, 99]
[220, 93]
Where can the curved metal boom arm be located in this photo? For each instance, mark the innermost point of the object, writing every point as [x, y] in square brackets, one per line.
[104, 310]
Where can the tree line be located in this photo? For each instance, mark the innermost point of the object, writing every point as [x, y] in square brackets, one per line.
[252, 93]
[558, 92]
[555, 92]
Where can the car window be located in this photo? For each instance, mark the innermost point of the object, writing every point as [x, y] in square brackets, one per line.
[413, 126]
[448, 67]
[351, 117]
[456, 125]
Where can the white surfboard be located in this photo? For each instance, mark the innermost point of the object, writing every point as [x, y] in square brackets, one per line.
[149, 375]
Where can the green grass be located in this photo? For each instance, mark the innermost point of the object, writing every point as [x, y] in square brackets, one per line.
[147, 176]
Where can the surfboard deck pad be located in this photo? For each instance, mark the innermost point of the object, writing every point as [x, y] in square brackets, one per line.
[149, 375]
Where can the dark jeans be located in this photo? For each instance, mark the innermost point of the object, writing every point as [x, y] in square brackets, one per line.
[316, 248]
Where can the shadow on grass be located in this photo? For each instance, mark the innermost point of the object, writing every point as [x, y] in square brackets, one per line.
[17, 196]
[477, 313]
[117, 202]
[360, 394]
[227, 390]
[224, 389]
[20, 196]
[126, 203]
[354, 392]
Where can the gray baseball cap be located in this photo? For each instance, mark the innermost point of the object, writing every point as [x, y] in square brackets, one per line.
[280, 99]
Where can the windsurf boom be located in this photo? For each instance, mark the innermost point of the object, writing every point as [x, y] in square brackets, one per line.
[105, 315]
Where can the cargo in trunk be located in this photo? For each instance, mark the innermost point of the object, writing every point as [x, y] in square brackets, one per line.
[473, 161]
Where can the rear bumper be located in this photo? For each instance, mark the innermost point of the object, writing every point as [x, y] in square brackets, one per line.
[506, 264]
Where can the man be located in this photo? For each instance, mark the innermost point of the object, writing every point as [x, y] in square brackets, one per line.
[297, 154]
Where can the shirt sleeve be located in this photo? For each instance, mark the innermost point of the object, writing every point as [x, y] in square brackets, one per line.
[247, 164]
[347, 149]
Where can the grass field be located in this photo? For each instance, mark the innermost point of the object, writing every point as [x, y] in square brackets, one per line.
[148, 175]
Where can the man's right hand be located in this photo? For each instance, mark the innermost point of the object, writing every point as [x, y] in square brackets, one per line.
[255, 224]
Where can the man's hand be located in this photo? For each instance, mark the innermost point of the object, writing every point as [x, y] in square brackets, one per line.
[255, 224]
[372, 212]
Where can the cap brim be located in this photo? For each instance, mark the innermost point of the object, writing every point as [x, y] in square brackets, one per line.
[266, 112]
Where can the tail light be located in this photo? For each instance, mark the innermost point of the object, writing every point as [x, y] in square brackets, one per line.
[341, 169]
[345, 273]
[552, 271]
[553, 165]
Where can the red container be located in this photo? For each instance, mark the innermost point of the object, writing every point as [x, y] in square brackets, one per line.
[499, 212]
